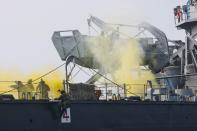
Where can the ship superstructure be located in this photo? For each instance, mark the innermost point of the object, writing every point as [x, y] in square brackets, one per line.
[170, 104]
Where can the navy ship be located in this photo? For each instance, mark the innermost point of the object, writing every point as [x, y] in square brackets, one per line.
[112, 106]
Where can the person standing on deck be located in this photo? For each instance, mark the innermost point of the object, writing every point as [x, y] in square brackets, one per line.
[188, 9]
[43, 90]
[29, 89]
[179, 14]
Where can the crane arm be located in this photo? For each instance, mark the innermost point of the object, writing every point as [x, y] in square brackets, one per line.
[101, 24]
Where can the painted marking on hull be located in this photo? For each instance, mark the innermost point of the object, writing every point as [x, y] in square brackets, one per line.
[66, 117]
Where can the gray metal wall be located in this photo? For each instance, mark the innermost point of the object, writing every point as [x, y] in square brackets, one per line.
[29, 116]
[133, 116]
[99, 116]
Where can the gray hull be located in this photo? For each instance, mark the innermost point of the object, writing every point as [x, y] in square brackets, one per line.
[134, 116]
[99, 116]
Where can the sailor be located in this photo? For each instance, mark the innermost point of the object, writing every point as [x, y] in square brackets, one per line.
[43, 90]
[20, 88]
[29, 89]
[188, 9]
[24, 91]
[63, 96]
[65, 101]
[179, 14]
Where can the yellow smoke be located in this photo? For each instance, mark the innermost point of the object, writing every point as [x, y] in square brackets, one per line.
[54, 80]
[7, 79]
[122, 60]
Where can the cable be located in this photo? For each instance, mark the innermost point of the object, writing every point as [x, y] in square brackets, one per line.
[86, 72]
[126, 25]
[75, 74]
[108, 78]
[7, 91]
[48, 72]
[71, 70]
[13, 82]
[7, 81]
[139, 33]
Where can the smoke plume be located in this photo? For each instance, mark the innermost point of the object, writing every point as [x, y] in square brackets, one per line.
[122, 60]
[7, 78]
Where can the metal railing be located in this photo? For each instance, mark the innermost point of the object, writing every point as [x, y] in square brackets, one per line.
[108, 90]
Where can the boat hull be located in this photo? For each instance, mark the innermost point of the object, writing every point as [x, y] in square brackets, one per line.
[99, 116]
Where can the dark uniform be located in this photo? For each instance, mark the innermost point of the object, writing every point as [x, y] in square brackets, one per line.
[43, 90]
[24, 91]
[29, 88]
